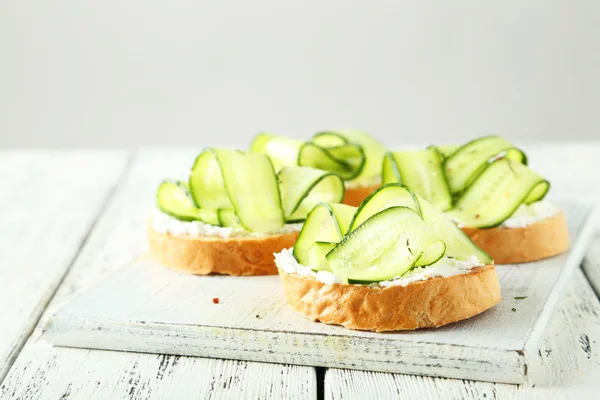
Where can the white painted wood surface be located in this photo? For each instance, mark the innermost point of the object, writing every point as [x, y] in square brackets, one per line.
[171, 312]
[568, 364]
[43, 372]
[591, 264]
[48, 203]
[572, 168]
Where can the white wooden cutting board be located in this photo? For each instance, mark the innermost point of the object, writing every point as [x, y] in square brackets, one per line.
[144, 307]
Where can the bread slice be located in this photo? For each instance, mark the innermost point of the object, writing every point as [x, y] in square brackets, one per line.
[430, 303]
[216, 255]
[546, 238]
[355, 196]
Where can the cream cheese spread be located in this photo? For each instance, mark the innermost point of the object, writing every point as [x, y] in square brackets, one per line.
[443, 268]
[527, 215]
[163, 223]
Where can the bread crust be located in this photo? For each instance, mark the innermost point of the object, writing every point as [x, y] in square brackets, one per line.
[431, 303]
[215, 255]
[546, 238]
[355, 196]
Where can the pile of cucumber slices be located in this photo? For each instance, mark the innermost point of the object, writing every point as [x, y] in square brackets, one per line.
[238, 189]
[479, 184]
[354, 155]
[393, 231]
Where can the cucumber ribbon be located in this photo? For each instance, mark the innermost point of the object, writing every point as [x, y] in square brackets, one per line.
[393, 231]
[479, 184]
[352, 154]
[236, 189]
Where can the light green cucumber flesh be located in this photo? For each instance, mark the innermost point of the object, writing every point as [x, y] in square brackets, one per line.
[283, 151]
[373, 151]
[346, 160]
[228, 218]
[389, 170]
[320, 226]
[343, 214]
[317, 253]
[253, 190]
[469, 160]
[303, 187]
[500, 189]
[206, 182]
[385, 246]
[422, 171]
[458, 244]
[173, 198]
[260, 141]
[445, 150]
[393, 194]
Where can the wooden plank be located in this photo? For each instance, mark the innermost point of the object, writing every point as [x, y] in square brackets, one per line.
[170, 312]
[48, 203]
[567, 364]
[591, 264]
[93, 374]
[45, 372]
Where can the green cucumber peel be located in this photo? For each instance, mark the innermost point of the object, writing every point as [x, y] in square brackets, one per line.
[303, 187]
[487, 205]
[354, 155]
[392, 194]
[173, 198]
[466, 162]
[422, 171]
[387, 245]
[324, 223]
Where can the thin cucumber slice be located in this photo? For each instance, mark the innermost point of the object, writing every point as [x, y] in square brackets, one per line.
[346, 160]
[497, 193]
[283, 151]
[321, 226]
[343, 214]
[206, 182]
[423, 172]
[390, 195]
[389, 170]
[317, 253]
[468, 161]
[228, 218]
[303, 187]
[445, 150]
[260, 141]
[386, 246]
[174, 199]
[373, 151]
[253, 189]
[458, 244]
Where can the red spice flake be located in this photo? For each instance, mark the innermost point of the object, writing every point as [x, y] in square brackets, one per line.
[216, 300]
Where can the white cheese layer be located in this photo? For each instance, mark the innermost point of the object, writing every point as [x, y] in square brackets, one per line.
[163, 223]
[527, 215]
[443, 268]
[530, 214]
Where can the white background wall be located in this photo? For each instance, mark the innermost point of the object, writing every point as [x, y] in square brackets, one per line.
[124, 73]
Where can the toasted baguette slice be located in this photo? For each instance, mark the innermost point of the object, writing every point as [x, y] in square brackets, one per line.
[546, 238]
[430, 303]
[215, 255]
[355, 196]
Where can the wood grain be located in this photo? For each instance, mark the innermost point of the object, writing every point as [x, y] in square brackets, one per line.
[42, 371]
[591, 264]
[48, 203]
[567, 364]
[169, 312]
